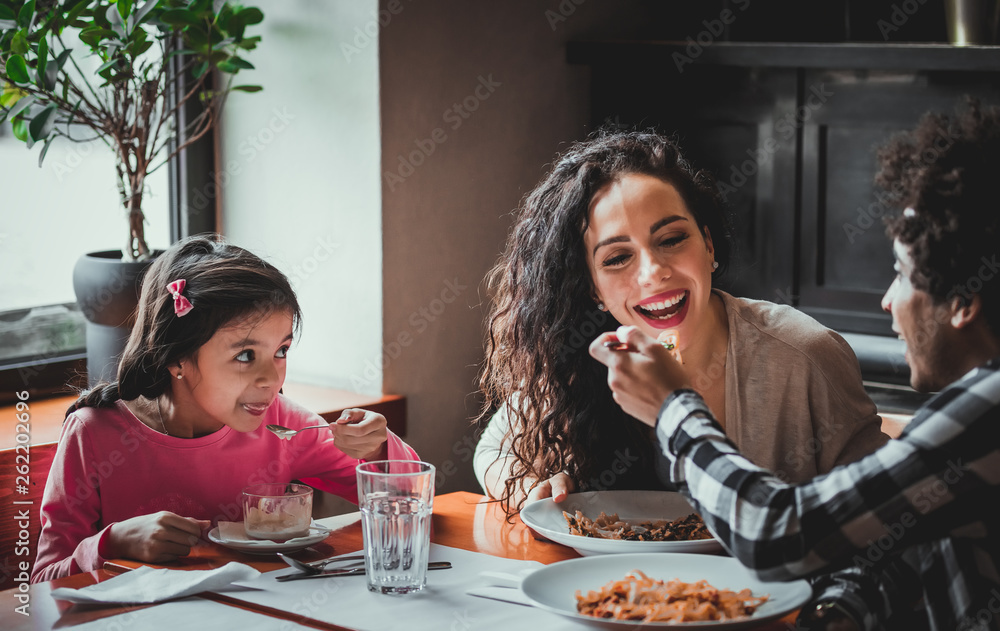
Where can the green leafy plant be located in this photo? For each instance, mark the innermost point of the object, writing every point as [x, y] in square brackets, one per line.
[120, 71]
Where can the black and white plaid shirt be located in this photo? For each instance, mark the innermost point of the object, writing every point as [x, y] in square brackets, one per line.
[926, 504]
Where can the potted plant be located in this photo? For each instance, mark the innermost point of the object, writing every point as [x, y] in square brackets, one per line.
[119, 72]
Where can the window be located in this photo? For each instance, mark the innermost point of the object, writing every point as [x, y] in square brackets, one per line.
[51, 215]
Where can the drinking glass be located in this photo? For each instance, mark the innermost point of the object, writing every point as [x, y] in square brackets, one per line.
[396, 498]
[277, 511]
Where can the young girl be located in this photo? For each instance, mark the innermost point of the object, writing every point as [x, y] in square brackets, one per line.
[146, 464]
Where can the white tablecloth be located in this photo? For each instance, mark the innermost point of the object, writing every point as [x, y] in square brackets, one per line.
[189, 613]
[442, 606]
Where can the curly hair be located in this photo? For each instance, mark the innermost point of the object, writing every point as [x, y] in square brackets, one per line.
[543, 318]
[945, 170]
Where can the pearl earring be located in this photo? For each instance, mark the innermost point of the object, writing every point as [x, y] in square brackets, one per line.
[180, 376]
[715, 265]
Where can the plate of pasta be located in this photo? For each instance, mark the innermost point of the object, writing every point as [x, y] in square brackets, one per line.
[627, 591]
[620, 522]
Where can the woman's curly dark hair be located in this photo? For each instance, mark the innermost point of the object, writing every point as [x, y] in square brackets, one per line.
[543, 318]
[946, 169]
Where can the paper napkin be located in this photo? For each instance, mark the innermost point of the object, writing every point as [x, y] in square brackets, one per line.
[504, 586]
[149, 585]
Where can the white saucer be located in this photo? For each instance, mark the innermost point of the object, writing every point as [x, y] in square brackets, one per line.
[316, 534]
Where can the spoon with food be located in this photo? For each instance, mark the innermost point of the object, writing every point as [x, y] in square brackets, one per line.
[286, 433]
[668, 338]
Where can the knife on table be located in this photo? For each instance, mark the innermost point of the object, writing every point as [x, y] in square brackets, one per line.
[357, 571]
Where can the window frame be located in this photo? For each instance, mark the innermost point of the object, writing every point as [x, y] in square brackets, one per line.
[191, 176]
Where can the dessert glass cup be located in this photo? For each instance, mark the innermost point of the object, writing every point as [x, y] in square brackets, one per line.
[277, 511]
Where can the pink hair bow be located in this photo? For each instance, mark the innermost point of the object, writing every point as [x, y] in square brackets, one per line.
[181, 304]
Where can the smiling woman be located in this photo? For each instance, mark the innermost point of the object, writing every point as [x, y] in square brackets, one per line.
[623, 230]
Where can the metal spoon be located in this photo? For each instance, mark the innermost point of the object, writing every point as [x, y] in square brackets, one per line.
[318, 565]
[286, 433]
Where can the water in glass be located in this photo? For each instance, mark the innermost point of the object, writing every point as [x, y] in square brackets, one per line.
[397, 536]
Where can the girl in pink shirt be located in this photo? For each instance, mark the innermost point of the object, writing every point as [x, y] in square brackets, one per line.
[146, 464]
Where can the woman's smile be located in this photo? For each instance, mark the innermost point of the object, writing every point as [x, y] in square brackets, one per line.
[664, 310]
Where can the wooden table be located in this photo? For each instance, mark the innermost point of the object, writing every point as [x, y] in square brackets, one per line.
[461, 520]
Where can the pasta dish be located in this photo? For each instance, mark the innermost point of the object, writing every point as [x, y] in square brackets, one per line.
[690, 528]
[641, 598]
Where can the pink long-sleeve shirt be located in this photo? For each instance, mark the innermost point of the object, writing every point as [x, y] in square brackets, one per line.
[110, 467]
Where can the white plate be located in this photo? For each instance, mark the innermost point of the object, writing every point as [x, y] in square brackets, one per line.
[546, 518]
[554, 586]
[316, 534]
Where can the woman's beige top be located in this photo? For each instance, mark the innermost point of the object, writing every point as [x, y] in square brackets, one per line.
[795, 404]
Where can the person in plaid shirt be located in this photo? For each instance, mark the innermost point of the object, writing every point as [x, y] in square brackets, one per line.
[907, 537]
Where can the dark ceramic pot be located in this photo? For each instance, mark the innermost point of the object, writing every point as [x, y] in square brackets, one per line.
[107, 290]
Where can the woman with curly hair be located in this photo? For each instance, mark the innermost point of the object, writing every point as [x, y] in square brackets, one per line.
[624, 231]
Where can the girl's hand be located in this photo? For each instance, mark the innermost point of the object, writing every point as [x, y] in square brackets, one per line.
[557, 487]
[155, 538]
[361, 434]
[640, 381]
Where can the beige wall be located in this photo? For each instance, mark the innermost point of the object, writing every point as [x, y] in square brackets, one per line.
[446, 211]
[299, 167]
